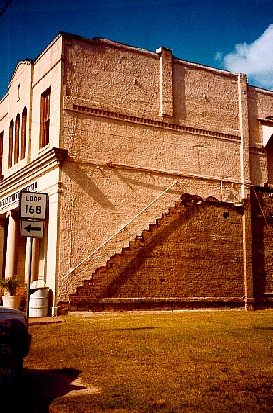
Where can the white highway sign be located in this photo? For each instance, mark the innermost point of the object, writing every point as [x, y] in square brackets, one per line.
[32, 229]
[33, 205]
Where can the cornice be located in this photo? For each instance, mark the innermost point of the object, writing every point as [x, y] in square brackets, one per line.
[266, 121]
[47, 161]
[260, 150]
[3, 117]
[163, 124]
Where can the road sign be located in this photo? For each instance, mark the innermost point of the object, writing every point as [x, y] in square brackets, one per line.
[32, 229]
[33, 205]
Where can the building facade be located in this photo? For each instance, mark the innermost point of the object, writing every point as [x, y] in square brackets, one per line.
[158, 174]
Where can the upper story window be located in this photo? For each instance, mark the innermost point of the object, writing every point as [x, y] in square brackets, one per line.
[23, 133]
[18, 92]
[45, 118]
[16, 140]
[1, 154]
[11, 125]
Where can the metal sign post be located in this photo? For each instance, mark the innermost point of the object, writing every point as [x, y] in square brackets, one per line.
[33, 212]
[29, 277]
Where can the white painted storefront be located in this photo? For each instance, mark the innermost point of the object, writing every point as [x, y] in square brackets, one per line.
[14, 248]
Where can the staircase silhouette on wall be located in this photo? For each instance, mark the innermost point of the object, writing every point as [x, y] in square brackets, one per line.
[129, 279]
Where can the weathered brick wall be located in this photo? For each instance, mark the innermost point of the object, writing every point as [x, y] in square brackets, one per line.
[111, 78]
[125, 79]
[97, 201]
[262, 224]
[130, 132]
[118, 163]
[197, 254]
[193, 254]
[102, 140]
[205, 97]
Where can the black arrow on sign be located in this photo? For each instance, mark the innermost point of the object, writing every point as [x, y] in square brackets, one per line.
[30, 228]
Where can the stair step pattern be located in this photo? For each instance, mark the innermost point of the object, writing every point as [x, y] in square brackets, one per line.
[104, 282]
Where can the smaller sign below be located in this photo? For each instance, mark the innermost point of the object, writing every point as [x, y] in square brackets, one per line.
[32, 229]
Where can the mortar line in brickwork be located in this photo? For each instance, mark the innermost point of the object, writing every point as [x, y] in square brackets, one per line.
[120, 230]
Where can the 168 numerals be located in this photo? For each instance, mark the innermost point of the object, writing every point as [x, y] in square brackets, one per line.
[33, 210]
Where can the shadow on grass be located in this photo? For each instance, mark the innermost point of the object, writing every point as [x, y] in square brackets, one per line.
[263, 328]
[135, 328]
[38, 388]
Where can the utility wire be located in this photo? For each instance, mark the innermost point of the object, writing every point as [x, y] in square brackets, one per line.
[4, 8]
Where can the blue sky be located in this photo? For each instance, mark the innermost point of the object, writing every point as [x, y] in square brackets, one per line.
[235, 35]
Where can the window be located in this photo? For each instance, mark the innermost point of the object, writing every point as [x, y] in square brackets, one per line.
[45, 118]
[1, 153]
[18, 92]
[23, 133]
[10, 143]
[16, 141]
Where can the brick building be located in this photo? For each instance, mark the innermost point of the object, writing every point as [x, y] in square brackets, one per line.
[158, 173]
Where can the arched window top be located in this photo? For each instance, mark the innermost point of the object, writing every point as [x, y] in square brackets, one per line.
[16, 138]
[11, 125]
[23, 133]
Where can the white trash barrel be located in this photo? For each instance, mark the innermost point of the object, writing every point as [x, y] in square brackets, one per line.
[38, 303]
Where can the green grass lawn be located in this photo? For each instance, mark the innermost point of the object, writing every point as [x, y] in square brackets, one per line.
[192, 361]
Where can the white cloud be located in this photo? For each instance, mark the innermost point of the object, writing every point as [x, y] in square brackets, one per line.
[255, 60]
[218, 56]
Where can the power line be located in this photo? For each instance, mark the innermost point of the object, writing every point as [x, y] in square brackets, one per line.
[4, 8]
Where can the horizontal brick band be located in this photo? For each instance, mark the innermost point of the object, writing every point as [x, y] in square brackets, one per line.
[154, 123]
